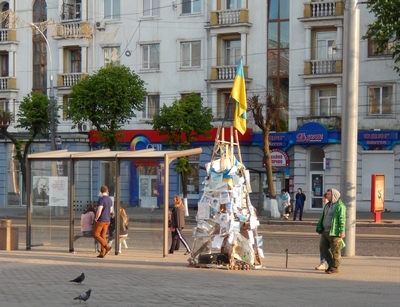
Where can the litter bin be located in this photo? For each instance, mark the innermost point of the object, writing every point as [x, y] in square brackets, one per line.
[8, 236]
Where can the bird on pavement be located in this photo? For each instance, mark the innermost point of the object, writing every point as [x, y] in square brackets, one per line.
[79, 279]
[83, 296]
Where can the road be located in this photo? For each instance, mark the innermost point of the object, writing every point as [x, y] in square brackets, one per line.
[296, 239]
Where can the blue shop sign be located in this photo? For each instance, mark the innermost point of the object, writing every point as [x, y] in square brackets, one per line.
[311, 133]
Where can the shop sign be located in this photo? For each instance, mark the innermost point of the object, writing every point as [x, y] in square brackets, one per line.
[279, 158]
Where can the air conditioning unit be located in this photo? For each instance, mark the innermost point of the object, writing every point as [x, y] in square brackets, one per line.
[100, 25]
[85, 127]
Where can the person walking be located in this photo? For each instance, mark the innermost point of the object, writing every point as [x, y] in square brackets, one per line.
[102, 221]
[332, 226]
[322, 262]
[299, 206]
[87, 222]
[177, 224]
[286, 209]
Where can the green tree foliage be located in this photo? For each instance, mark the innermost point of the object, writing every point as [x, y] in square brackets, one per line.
[109, 99]
[181, 124]
[385, 30]
[34, 117]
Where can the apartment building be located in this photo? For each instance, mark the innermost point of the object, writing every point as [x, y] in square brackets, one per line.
[176, 47]
[315, 101]
[293, 49]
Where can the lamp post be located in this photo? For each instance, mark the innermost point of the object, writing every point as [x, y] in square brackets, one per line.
[51, 95]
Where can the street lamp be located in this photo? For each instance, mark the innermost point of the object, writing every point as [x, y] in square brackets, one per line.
[52, 102]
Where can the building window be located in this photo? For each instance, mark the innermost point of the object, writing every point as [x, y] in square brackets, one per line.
[112, 9]
[326, 102]
[226, 107]
[380, 100]
[76, 63]
[325, 45]
[190, 54]
[111, 55]
[151, 7]
[39, 49]
[233, 4]
[71, 10]
[191, 6]
[232, 52]
[372, 47]
[66, 101]
[4, 64]
[151, 106]
[151, 56]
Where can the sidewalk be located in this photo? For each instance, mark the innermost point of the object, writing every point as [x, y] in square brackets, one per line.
[363, 219]
[40, 278]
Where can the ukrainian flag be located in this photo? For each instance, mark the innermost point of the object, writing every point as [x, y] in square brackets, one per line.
[239, 94]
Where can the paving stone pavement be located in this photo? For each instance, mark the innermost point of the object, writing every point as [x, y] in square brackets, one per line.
[40, 277]
[142, 277]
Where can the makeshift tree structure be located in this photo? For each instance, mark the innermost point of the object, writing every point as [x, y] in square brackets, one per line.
[226, 233]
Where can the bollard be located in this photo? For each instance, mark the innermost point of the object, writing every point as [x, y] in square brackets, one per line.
[8, 236]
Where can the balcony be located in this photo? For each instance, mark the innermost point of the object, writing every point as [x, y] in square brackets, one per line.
[229, 21]
[323, 9]
[69, 79]
[323, 67]
[7, 35]
[330, 122]
[73, 29]
[8, 83]
[226, 72]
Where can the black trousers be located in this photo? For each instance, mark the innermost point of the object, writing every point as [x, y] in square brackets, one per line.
[176, 237]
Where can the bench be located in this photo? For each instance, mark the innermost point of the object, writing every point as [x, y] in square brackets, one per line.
[108, 238]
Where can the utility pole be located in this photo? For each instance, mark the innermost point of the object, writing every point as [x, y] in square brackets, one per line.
[348, 178]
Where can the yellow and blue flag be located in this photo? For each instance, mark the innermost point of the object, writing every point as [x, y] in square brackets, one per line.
[239, 94]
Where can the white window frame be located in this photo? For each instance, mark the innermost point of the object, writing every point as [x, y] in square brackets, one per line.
[189, 60]
[114, 7]
[232, 52]
[151, 8]
[112, 54]
[150, 54]
[381, 97]
[330, 102]
[325, 45]
[233, 4]
[151, 106]
[195, 7]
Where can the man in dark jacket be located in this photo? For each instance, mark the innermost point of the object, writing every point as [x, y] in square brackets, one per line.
[299, 205]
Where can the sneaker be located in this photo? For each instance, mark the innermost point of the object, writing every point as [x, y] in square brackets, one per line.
[187, 253]
[170, 252]
[321, 267]
[332, 271]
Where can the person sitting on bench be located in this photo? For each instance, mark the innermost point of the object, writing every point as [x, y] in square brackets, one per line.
[87, 221]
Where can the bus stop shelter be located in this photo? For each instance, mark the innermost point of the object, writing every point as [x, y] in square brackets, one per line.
[101, 155]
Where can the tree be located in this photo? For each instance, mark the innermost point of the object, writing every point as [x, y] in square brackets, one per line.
[272, 107]
[33, 116]
[109, 99]
[385, 30]
[182, 123]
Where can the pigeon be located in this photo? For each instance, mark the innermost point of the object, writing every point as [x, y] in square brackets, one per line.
[79, 279]
[84, 296]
